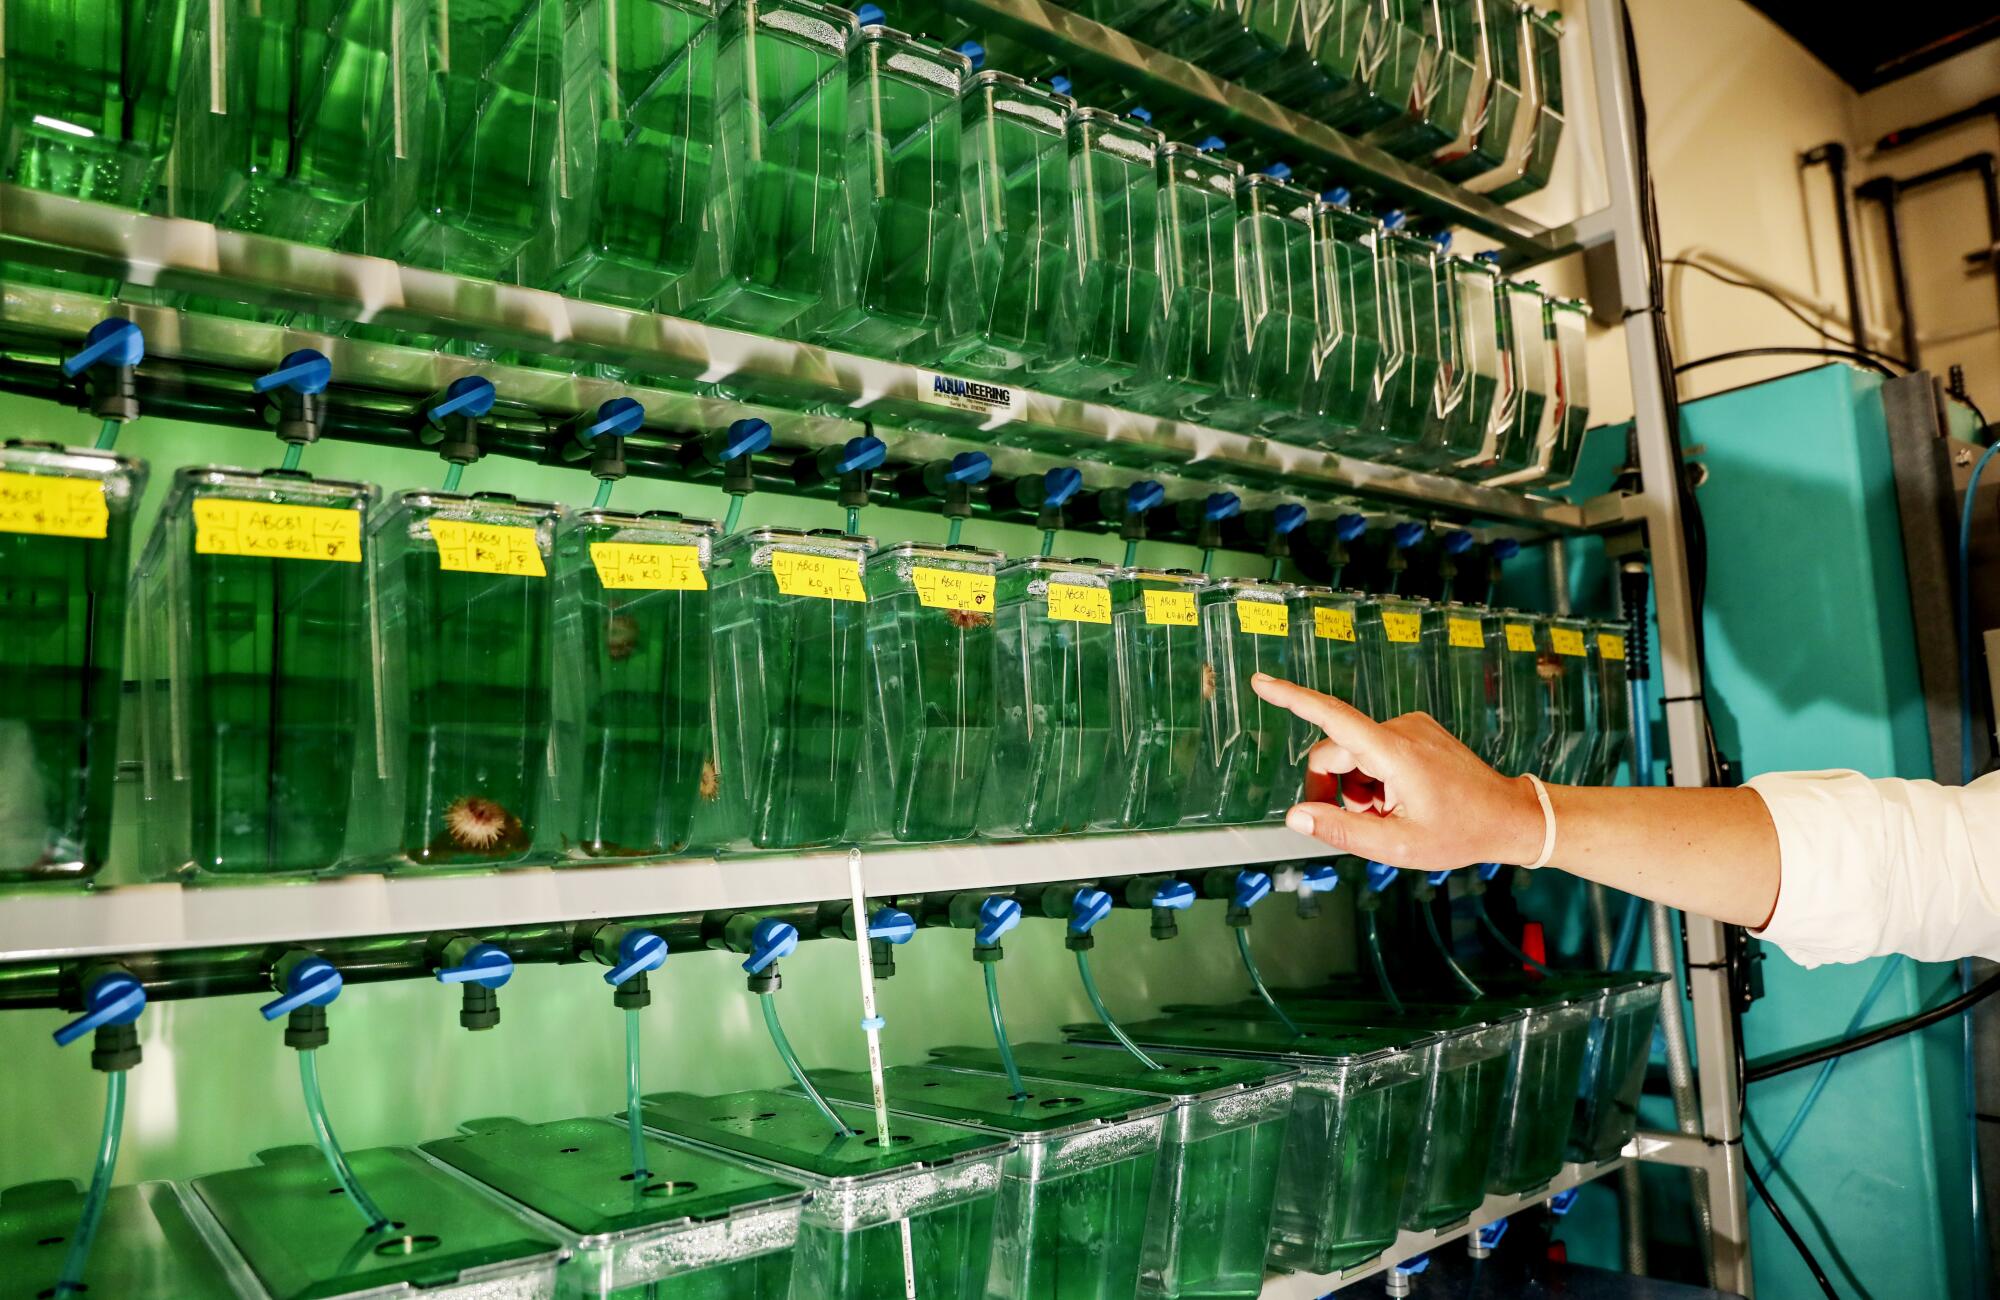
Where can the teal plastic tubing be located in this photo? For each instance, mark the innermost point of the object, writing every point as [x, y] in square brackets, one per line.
[1104, 1012]
[784, 1046]
[1000, 1030]
[635, 1128]
[1257, 982]
[329, 1146]
[77, 1257]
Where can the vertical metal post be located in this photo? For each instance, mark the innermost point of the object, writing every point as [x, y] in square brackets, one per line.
[1659, 506]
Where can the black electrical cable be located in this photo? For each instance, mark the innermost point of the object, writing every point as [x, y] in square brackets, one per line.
[1770, 1069]
[1776, 297]
[1791, 1233]
[1868, 359]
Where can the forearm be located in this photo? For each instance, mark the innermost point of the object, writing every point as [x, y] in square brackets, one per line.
[1709, 851]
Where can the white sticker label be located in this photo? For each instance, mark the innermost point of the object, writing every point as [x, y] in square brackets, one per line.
[975, 395]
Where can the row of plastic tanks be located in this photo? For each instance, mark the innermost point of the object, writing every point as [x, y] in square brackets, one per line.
[328, 680]
[772, 166]
[1245, 1148]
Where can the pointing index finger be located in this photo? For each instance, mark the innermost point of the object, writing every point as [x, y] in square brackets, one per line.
[1344, 724]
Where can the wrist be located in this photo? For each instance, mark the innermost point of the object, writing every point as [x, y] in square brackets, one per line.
[1522, 828]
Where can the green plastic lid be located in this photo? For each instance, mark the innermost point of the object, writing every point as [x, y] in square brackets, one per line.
[1179, 1076]
[986, 1100]
[1434, 1017]
[578, 1172]
[1320, 1044]
[785, 1129]
[146, 1243]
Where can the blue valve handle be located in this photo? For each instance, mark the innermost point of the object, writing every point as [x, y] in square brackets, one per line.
[1393, 219]
[1140, 113]
[638, 952]
[1252, 887]
[1220, 506]
[1279, 171]
[1088, 908]
[112, 999]
[1443, 240]
[1406, 535]
[1211, 143]
[468, 395]
[969, 467]
[313, 982]
[771, 940]
[1349, 527]
[870, 16]
[861, 454]
[974, 52]
[305, 371]
[1488, 870]
[1287, 519]
[1340, 196]
[1320, 879]
[892, 926]
[1380, 876]
[113, 341]
[997, 915]
[1436, 878]
[483, 964]
[1415, 1264]
[745, 438]
[1174, 896]
[1457, 542]
[1060, 484]
[617, 418]
[1506, 549]
[1563, 1202]
[1143, 496]
[1060, 84]
[1490, 1235]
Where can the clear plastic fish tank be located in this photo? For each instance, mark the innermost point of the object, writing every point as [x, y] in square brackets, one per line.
[693, 1225]
[1247, 745]
[1358, 282]
[1157, 698]
[1181, 367]
[1327, 656]
[927, 1196]
[1272, 367]
[1402, 640]
[1524, 715]
[1535, 1116]
[632, 684]
[253, 635]
[1570, 690]
[65, 542]
[1614, 703]
[146, 1243]
[1469, 669]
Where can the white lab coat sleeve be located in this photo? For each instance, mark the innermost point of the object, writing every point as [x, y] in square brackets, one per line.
[1872, 867]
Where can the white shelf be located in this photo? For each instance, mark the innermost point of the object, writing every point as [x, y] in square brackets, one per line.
[1310, 1286]
[40, 925]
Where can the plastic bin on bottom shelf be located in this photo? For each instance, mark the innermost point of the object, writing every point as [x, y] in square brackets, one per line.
[463, 678]
[1157, 714]
[791, 675]
[1356, 1108]
[300, 1241]
[1247, 745]
[1056, 707]
[932, 657]
[933, 1186]
[1536, 1112]
[65, 543]
[1623, 1005]
[252, 638]
[1070, 1221]
[1210, 1219]
[696, 1227]
[146, 1244]
[631, 694]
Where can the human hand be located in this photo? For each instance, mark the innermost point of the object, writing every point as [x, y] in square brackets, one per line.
[1414, 796]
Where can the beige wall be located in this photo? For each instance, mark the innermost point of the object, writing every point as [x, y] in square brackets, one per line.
[1734, 102]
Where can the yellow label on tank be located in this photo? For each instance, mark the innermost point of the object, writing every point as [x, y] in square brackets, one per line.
[1401, 628]
[52, 506]
[647, 566]
[1465, 633]
[953, 589]
[1262, 618]
[1611, 645]
[1521, 638]
[1171, 608]
[821, 577]
[1567, 641]
[1333, 624]
[506, 549]
[260, 530]
[1072, 602]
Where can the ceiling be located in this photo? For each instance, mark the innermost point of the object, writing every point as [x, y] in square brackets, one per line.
[1891, 42]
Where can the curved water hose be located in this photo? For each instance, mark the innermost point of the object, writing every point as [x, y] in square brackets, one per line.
[77, 1257]
[634, 1129]
[329, 1145]
[1854, 1025]
[107, 435]
[785, 1052]
[1131, 553]
[853, 520]
[1048, 541]
[1451, 963]
[1000, 1031]
[452, 475]
[730, 516]
[1207, 561]
[1277, 566]
[293, 451]
[604, 486]
[1374, 938]
[1104, 1012]
[1494, 932]
[1257, 982]
[957, 527]
[1334, 581]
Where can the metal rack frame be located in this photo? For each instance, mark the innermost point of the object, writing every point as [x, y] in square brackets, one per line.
[164, 259]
